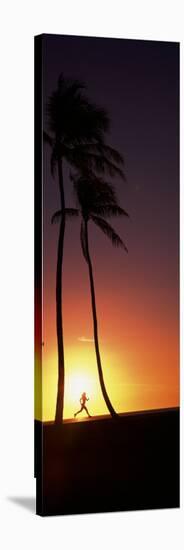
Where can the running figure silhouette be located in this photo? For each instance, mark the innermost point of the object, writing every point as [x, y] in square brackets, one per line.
[83, 400]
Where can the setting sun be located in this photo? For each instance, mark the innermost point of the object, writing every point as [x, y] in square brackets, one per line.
[77, 384]
[82, 376]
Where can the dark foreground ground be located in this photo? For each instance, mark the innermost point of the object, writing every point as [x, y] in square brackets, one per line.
[104, 465]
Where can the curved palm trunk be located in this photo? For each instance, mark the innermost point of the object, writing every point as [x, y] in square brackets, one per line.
[95, 326]
[59, 319]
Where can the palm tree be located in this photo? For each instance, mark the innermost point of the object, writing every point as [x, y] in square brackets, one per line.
[76, 130]
[96, 198]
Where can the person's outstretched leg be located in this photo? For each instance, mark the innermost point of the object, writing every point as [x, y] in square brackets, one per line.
[78, 412]
[87, 411]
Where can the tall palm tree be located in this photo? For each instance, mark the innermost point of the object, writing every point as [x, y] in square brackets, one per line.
[76, 130]
[95, 198]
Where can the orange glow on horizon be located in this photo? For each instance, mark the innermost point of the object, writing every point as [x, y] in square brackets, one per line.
[138, 338]
[126, 392]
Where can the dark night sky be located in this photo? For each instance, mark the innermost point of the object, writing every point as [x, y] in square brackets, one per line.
[138, 83]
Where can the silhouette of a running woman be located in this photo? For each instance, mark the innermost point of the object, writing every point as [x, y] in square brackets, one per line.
[83, 400]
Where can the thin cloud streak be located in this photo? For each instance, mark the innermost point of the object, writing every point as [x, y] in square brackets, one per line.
[84, 339]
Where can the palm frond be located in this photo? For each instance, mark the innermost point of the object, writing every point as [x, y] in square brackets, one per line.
[103, 149]
[56, 216]
[69, 85]
[69, 212]
[92, 192]
[86, 161]
[110, 210]
[72, 117]
[109, 231]
[83, 241]
[112, 154]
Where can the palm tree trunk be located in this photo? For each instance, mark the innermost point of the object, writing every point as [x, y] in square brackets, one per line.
[95, 326]
[59, 319]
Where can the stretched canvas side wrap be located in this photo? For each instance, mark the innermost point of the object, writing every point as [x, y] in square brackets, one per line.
[106, 274]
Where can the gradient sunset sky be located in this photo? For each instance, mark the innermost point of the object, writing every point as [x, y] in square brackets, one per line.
[137, 293]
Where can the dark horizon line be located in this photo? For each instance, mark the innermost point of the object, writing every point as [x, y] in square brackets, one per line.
[72, 420]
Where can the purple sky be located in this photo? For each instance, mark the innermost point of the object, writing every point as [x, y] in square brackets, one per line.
[138, 83]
